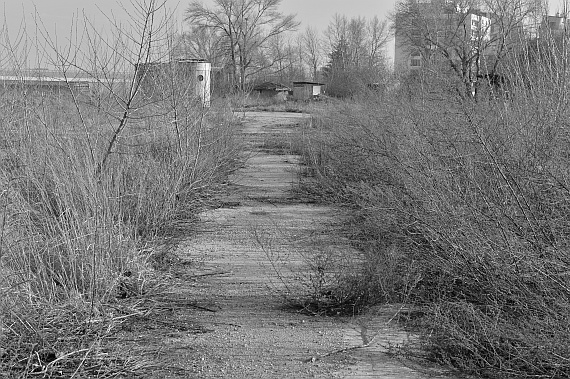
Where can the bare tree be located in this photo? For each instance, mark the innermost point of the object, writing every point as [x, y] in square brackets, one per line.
[202, 42]
[509, 19]
[312, 50]
[299, 52]
[356, 58]
[337, 29]
[278, 55]
[359, 42]
[471, 37]
[356, 38]
[248, 25]
[378, 37]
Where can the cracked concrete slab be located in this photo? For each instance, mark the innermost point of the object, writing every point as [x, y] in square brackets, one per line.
[254, 252]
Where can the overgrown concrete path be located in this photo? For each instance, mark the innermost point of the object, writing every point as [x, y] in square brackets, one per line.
[253, 250]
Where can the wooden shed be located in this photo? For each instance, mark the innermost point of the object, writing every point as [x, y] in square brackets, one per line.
[306, 90]
[270, 90]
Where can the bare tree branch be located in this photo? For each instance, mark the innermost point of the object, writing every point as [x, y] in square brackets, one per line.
[247, 25]
[471, 37]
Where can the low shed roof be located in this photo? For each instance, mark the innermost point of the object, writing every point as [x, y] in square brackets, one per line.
[305, 82]
[271, 87]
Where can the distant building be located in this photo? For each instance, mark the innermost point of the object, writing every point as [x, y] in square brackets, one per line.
[307, 90]
[45, 81]
[270, 90]
[412, 48]
[449, 25]
[189, 76]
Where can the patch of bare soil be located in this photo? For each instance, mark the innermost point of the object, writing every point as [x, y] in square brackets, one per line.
[227, 317]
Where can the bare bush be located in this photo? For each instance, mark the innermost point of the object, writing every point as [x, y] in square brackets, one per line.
[460, 206]
[89, 179]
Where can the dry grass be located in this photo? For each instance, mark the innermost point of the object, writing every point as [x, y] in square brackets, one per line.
[74, 234]
[91, 184]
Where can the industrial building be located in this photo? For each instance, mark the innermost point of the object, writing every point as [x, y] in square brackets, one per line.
[43, 80]
[190, 77]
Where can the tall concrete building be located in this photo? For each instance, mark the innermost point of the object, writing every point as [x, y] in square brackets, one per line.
[432, 27]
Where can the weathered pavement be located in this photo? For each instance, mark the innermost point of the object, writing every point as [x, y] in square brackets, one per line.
[262, 234]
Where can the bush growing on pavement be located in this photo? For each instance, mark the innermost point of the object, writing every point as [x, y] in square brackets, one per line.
[460, 208]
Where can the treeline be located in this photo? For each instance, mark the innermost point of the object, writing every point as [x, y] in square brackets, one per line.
[252, 41]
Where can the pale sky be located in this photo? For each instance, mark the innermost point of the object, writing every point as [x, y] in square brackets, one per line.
[317, 12]
[57, 15]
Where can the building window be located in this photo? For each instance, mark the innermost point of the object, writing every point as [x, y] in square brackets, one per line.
[439, 36]
[415, 59]
[416, 37]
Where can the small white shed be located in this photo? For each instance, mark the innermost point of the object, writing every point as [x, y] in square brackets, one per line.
[306, 90]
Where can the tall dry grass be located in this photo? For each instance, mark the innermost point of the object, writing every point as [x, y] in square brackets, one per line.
[72, 233]
[460, 207]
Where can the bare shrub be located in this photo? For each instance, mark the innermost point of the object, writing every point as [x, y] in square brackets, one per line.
[461, 208]
[89, 179]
